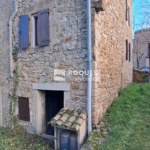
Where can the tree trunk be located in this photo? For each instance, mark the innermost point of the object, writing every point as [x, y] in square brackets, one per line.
[138, 62]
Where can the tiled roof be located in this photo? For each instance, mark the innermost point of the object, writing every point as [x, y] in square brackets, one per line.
[69, 118]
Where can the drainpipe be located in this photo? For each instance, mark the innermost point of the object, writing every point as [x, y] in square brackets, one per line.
[89, 65]
[10, 38]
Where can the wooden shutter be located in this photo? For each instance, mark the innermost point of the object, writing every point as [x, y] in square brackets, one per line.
[43, 27]
[126, 49]
[126, 9]
[129, 52]
[24, 113]
[23, 32]
[129, 16]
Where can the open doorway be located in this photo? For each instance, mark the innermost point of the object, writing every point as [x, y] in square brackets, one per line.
[54, 101]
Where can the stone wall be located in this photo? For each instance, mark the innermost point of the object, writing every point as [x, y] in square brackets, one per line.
[140, 76]
[5, 13]
[110, 30]
[140, 41]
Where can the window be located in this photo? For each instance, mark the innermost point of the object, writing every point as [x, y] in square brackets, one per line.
[35, 30]
[127, 13]
[40, 29]
[24, 113]
[128, 51]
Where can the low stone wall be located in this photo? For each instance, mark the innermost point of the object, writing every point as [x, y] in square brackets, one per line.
[140, 76]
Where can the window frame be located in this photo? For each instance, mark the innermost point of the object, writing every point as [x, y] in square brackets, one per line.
[23, 115]
[127, 50]
[34, 33]
[127, 13]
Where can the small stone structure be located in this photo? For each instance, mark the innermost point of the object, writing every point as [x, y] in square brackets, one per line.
[140, 76]
[73, 120]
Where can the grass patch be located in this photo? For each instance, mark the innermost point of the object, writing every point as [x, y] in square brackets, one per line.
[19, 139]
[128, 119]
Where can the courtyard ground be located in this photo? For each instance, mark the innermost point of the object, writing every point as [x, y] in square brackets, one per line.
[19, 139]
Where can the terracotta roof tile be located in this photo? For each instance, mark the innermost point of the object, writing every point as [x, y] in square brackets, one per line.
[69, 118]
[67, 124]
[64, 117]
[83, 116]
[72, 119]
[57, 117]
[59, 123]
[75, 113]
[76, 127]
[79, 121]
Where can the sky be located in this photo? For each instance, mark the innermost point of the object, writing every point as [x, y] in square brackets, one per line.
[139, 9]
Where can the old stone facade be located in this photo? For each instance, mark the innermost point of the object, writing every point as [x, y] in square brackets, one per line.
[67, 51]
[140, 41]
[6, 11]
[110, 30]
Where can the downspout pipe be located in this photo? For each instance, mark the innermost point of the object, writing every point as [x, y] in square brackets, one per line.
[89, 84]
[10, 39]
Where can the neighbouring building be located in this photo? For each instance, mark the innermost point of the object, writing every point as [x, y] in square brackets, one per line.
[140, 45]
[51, 36]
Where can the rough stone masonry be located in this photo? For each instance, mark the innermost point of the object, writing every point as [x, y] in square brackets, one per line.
[67, 50]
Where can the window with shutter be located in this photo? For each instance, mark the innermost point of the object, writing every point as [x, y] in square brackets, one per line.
[24, 113]
[43, 27]
[127, 13]
[23, 32]
[129, 16]
[127, 49]
[129, 52]
[127, 10]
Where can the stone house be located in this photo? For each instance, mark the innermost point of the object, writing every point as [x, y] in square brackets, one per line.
[140, 41]
[51, 36]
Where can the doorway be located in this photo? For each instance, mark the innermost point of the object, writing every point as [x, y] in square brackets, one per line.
[54, 102]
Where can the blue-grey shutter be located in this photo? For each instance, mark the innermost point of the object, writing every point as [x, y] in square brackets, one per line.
[126, 9]
[129, 16]
[43, 27]
[129, 52]
[23, 32]
[127, 49]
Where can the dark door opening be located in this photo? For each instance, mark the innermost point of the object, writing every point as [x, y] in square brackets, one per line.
[53, 103]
